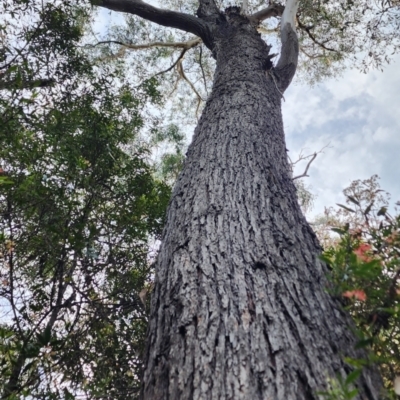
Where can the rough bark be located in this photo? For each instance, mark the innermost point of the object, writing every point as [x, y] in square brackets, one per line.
[240, 308]
[208, 10]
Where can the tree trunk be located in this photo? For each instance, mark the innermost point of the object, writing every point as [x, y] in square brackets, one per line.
[240, 308]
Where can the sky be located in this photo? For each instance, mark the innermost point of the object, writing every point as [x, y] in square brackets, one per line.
[355, 117]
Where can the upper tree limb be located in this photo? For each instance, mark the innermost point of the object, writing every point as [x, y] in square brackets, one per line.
[287, 64]
[173, 19]
[274, 10]
[208, 10]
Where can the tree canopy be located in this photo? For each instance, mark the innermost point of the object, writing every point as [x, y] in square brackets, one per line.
[332, 36]
[80, 202]
[80, 208]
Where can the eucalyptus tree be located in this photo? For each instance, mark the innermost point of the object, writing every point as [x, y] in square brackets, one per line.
[240, 308]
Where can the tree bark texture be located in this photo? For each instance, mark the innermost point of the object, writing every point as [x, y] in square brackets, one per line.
[240, 308]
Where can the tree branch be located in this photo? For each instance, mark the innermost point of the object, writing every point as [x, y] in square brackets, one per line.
[173, 65]
[304, 174]
[127, 46]
[287, 64]
[183, 75]
[172, 19]
[312, 37]
[302, 158]
[202, 69]
[310, 56]
[208, 10]
[267, 31]
[180, 45]
[274, 10]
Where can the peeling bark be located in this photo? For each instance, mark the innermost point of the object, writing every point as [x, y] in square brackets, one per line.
[240, 308]
[287, 64]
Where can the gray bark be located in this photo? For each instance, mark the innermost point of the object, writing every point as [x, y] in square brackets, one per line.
[208, 10]
[240, 308]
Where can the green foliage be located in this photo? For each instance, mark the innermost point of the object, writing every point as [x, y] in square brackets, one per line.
[342, 388]
[304, 195]
[79, 207]
[172, 142]
[365, 272]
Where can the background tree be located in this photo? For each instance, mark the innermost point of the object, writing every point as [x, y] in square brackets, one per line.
[79, 204]
[239, 308]
[365, 270]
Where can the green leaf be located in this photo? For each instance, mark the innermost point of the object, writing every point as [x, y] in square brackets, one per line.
[353, 376]
[364, 343]
[382, 211]
[339, 231]
[4, 180]
[44, 338]
[355, 362]
[31, 350]
[352, 394]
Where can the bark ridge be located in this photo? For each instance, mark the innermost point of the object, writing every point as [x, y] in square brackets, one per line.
[240, 308]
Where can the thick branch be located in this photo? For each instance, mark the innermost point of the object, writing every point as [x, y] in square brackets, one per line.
[274, 10]
[287, 64]
[267, 31]
[173, 19]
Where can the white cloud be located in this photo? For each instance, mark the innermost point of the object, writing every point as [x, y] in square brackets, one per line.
[358, 116]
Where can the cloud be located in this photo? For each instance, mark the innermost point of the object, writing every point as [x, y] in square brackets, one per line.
[357, 116]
